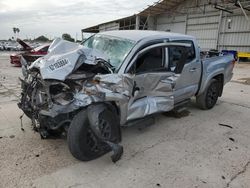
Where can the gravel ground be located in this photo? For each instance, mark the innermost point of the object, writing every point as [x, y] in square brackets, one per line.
[189, 151]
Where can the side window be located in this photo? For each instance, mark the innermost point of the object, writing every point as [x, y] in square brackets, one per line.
[175, 54]
[180, 55]
[190, 52]
[152, 60]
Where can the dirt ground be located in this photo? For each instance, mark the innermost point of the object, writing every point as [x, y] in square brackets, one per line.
[203, 149]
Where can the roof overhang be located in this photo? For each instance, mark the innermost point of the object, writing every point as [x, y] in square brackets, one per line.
[160, 7]
[95, 29]
[170, 7]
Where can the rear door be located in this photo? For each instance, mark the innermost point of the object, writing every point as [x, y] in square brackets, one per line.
[153, 82]
[188, 82]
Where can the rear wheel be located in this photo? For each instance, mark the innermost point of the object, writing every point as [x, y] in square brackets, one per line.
[82, 142]
[208, 99]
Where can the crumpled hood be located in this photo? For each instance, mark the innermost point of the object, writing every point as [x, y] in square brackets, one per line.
[63, 57]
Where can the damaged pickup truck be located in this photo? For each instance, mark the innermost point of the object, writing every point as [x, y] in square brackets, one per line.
[115, 79]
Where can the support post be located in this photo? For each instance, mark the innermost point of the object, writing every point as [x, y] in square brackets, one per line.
[239, 3]
[137, 22]
[219, 31]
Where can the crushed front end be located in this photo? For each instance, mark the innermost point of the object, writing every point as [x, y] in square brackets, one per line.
[47, 103]
[73, 80]
[51, 87]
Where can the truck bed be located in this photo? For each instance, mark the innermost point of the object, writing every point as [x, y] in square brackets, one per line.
[216, 65]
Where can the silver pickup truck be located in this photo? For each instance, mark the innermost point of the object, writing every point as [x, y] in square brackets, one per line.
[114, 79]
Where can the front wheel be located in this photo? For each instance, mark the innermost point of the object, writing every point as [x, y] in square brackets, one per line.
[209, 97]
[82, 142]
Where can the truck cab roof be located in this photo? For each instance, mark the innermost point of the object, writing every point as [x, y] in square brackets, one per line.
[138, 35]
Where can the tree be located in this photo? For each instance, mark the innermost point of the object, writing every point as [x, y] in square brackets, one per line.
[16, 30]
[42, 39]
[67, 37]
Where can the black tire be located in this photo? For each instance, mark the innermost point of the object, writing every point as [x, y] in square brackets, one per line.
[82, 143]
[209, 97]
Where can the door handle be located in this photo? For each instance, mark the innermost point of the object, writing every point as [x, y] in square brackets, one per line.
[193, 70]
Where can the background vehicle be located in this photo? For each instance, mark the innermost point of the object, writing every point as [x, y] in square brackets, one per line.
[29, 54]
[115, 79]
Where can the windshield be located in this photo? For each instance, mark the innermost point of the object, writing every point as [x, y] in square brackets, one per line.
[115, 48]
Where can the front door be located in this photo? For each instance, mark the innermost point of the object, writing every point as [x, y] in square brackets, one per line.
[153, 85]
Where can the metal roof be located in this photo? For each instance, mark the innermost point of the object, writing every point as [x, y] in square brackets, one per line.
[170, 7]
[161, 6]
[158, 7]
[95, 28]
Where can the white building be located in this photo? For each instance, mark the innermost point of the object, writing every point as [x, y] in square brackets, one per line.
[221, 24]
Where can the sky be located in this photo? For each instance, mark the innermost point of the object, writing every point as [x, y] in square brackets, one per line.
[52, 18]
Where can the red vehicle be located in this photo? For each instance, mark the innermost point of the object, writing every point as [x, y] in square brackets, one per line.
[29, 54]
